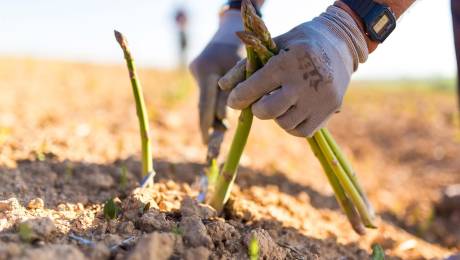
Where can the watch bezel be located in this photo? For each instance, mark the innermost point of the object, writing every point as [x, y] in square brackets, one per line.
[373, 17]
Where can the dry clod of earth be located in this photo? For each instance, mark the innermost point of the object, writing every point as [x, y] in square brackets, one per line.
[197, 253]
[99, 251]
[194, 232]
[191, 207]
[127, 227]
[137, 201]
[9, 205]
[55, 252]
[42, 228]
[268, 249]
[153, 220]
[154, 246]
[224, 235]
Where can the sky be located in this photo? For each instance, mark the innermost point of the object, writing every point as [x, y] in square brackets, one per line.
[82, 30]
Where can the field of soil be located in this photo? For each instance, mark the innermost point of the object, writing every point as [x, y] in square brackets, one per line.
[69, 141]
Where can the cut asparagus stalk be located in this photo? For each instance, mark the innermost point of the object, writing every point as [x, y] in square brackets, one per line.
[348, 169]
[344, 202]
[147, 163]
[347, 184]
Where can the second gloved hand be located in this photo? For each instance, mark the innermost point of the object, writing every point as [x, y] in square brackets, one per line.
[215, 60]
[302, 86]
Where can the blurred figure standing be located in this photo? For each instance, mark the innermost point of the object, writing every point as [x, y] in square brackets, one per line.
[455, 5]
[181, 23]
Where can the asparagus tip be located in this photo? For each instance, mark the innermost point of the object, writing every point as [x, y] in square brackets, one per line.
[120, 39]
[248, 8]
[248, 13]
[249, 38]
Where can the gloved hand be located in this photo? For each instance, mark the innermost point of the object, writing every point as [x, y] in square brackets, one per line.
[215, 60]
[304, 84]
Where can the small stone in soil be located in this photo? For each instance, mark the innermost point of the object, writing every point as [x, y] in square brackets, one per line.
[36, 203]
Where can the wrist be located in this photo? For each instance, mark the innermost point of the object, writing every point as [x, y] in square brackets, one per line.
[230, 22]
[344, 31]
[371, 45]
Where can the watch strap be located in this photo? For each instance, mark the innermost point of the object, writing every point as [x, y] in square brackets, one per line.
[236, 4]
[361, 7]
[371, 45]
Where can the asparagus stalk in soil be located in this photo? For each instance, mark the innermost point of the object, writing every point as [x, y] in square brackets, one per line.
[227, 177]
[141, 110]
[348, 192]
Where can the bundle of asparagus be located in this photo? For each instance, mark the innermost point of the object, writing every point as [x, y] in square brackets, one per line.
[260, 48]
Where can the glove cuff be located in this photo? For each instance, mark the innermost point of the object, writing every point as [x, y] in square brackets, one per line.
[343, 25]
[230, 22]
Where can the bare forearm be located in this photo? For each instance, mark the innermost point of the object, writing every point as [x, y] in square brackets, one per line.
[398, 6]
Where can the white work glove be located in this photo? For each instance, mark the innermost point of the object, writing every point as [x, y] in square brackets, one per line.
[215, 60]
[304, 84]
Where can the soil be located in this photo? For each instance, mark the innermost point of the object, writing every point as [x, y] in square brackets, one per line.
[69, 142]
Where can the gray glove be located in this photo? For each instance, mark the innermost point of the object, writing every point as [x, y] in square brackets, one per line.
[215, 60]
[304, 84]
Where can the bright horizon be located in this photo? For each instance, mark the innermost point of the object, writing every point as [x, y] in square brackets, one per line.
[422, 45]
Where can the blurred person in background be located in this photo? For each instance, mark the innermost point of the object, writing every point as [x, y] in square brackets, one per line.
[305, 83]
[455, 7]
[180, 18]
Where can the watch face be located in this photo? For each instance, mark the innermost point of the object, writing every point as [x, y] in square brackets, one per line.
[380, 22]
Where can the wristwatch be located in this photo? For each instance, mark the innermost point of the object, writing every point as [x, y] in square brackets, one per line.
[236, 5]
[378, 19]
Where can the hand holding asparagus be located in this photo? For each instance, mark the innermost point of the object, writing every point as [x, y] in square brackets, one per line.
[263, 88]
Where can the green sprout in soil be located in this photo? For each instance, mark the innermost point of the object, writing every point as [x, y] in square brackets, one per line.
[177, 231]
[68, 171]
[253, 249]
[123, 177]
[349, 194]
[111, 210]
[144, 208]
[25, 232]
[41, 151]
[377, 252]
[141, 109]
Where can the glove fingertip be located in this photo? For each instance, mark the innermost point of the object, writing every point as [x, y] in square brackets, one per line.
[224, 83]
[235, 102]
[234, 76]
